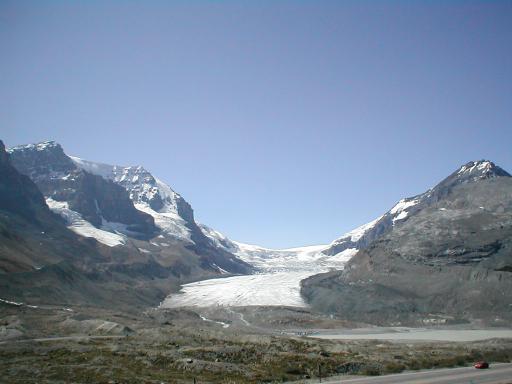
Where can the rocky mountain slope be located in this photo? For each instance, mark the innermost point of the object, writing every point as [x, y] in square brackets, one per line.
[97, 200]
[93, 246]
[41, 261]
[30, 234]
[442, 256]
[120, 226]
[66, 182]
[364, 235]
[175, 216]
[117, 205]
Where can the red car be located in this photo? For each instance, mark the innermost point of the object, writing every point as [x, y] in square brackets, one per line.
[481, 365]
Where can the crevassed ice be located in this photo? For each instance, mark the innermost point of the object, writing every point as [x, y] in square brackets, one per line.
[273, 288]
[277, 283]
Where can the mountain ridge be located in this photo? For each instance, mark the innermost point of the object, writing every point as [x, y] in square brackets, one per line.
[445, 260]
[79, 191]
[147, 207]
[362, 236]
[47, 260]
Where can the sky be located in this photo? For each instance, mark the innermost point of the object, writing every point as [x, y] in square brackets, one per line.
[283, 123]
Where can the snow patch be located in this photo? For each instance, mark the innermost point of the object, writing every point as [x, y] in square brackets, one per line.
[344, 256]
[402, 205]
[402, 215]
[357, 233]
[77, 224]
[38, 147]
[169, 222]
[222, 271]
[482, 166]
[100, 169]
[400, 209]
[16, 304]
[224, 325]
[11, 302]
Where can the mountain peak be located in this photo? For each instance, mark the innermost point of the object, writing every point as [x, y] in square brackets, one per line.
[37, 160]
[481, 169]
[42, 146]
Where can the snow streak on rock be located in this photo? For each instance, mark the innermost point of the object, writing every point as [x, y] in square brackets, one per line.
[107, 235]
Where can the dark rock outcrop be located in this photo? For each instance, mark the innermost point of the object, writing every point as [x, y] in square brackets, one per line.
[30, 234]
[18, 194]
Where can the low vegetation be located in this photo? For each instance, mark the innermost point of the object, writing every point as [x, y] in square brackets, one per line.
[181, 348]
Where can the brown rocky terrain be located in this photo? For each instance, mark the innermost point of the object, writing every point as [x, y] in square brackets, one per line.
[53, 344]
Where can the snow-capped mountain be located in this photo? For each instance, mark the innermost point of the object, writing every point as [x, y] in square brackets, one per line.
[31, 235]
[61, 178]
[175, 216]
[443, 257]
[115, 204]
[364, 235]
[151, 230]
[75, 189]
[102, 203]
[309, 258]
[170, 211]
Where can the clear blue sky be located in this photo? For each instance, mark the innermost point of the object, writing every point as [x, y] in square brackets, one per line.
[283, 123]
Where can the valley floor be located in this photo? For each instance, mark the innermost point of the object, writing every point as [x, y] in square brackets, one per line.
[211, 345]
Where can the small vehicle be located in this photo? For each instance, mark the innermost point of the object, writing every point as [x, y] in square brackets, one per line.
[481, 365]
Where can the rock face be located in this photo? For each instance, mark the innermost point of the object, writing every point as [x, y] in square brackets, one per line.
[445, 256]
[30, 234]
[18, 194]
[96, 199]
[363, 236]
